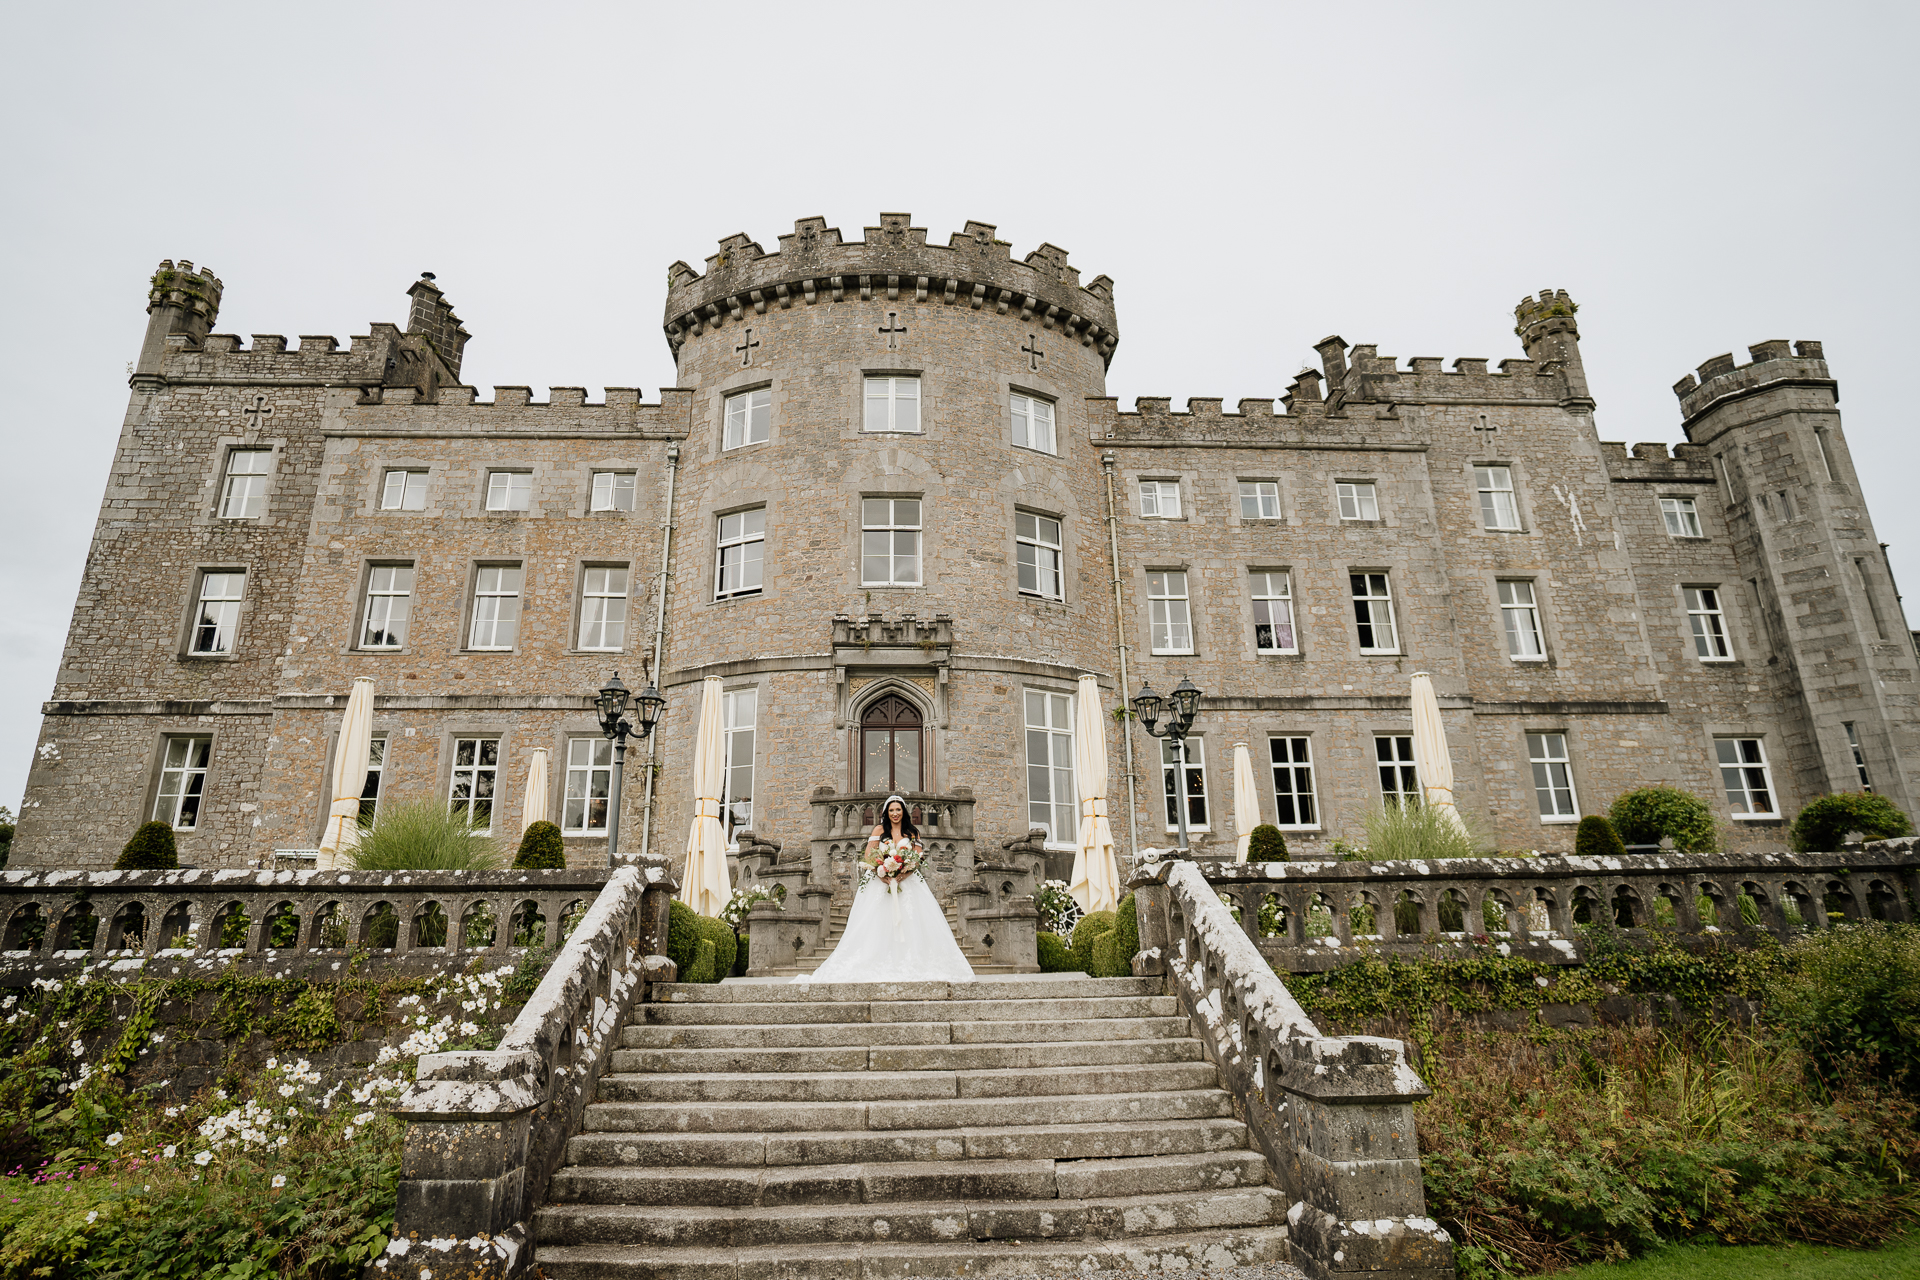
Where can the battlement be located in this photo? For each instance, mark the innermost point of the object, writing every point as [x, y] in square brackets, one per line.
[1553, 309]
[894, 261]
[195, 291]
[1362, 375]
[457, 409]
[1650, 463]
[1775, 363]
[1206, 423]
[267, 358]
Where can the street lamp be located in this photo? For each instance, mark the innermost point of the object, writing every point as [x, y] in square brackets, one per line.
[1171, 717]
[611, 703]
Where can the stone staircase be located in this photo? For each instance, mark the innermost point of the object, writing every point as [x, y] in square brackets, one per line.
[994, 1128]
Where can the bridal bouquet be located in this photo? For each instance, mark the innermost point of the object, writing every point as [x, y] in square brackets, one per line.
[891, 861]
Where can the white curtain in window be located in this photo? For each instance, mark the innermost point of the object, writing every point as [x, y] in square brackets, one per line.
[706, 886]
[1246, 802]
[349, 776]
[1430, 755]
[1096, 873]
[534, 807]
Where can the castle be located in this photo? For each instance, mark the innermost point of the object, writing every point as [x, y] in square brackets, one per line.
[890, 504]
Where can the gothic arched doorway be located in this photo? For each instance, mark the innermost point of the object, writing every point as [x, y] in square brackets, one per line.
[890, 746]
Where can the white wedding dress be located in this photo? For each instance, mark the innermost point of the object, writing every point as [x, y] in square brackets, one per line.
[895, 933]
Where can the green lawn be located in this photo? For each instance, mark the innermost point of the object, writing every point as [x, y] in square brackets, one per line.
[1898, 1261]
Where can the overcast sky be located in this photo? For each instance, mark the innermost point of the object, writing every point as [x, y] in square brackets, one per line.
[1253, 177]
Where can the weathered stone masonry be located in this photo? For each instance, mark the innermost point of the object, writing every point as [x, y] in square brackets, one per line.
[1815, 639]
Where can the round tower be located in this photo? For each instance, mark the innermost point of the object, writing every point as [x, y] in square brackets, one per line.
[890, 538]
[179, 300]
[1548, 331]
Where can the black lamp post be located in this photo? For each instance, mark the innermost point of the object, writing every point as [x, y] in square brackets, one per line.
[1171, 717]
[611, 702]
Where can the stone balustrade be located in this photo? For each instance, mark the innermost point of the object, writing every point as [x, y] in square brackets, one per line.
[486, 1129]
[60, 921]
[1309, 916]
[1333, 1114]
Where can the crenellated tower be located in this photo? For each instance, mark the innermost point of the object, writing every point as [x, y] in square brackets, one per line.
[1548, 331]
[180, 300]
[1845, 671]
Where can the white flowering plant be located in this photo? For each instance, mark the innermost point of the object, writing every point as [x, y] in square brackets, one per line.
[286, 1168]
[746, 899]
[1058, 911]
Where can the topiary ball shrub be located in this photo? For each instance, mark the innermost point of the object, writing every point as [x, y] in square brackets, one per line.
[541, 849]
[683, 936]
[1596, 838]
[1823, 825]
[1091, 926]
[1266, 844]
[1055, 957]
[725, 944]
[704, 964]
[1109, 957]
[1126, 934]
[1651, 813]
[151, 849]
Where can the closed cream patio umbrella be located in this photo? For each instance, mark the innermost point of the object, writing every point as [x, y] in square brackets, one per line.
[534, 808]
[1430, 757]
[1246, 800]
[1096, 872]
[706, 887]
[349, 776]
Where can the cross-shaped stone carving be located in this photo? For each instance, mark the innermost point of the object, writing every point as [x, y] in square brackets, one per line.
[892, 327]
[746, 347]
[1032, 351]
[256, 414]
[1485, 430]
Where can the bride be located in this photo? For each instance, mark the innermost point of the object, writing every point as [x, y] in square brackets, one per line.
[896, 931]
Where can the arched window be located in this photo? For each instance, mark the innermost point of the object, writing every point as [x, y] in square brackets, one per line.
[890, 746]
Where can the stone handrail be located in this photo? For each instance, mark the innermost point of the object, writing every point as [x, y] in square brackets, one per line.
[486, 1129]
[44, 916]
[1529, 906]
[1333, 1114]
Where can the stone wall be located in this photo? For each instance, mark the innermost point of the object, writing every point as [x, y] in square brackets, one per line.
[977, 327]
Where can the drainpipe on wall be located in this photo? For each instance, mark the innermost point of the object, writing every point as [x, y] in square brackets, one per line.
[659, 634]
[1120, 647]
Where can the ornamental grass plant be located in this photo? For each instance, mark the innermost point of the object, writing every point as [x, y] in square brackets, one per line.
[424, 835]
[1415, 832]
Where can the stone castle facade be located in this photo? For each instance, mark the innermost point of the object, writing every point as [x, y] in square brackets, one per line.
[890, 504]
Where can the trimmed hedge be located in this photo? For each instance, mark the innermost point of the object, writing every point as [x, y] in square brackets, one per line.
[1266, 844]
[1091, 926]
[725, 944]
[1054, 954]
[541, 849]
[151, 849]
[704, 964]
[1651, 813]
[1596, 838]
[1825, 822]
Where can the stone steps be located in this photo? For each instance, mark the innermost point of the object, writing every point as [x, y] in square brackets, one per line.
[1188, 1252]
[929, 1057]
[898, 1034]
[1093, 1140]
[748, 1227]
[864, 1085]
[926, 1129]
